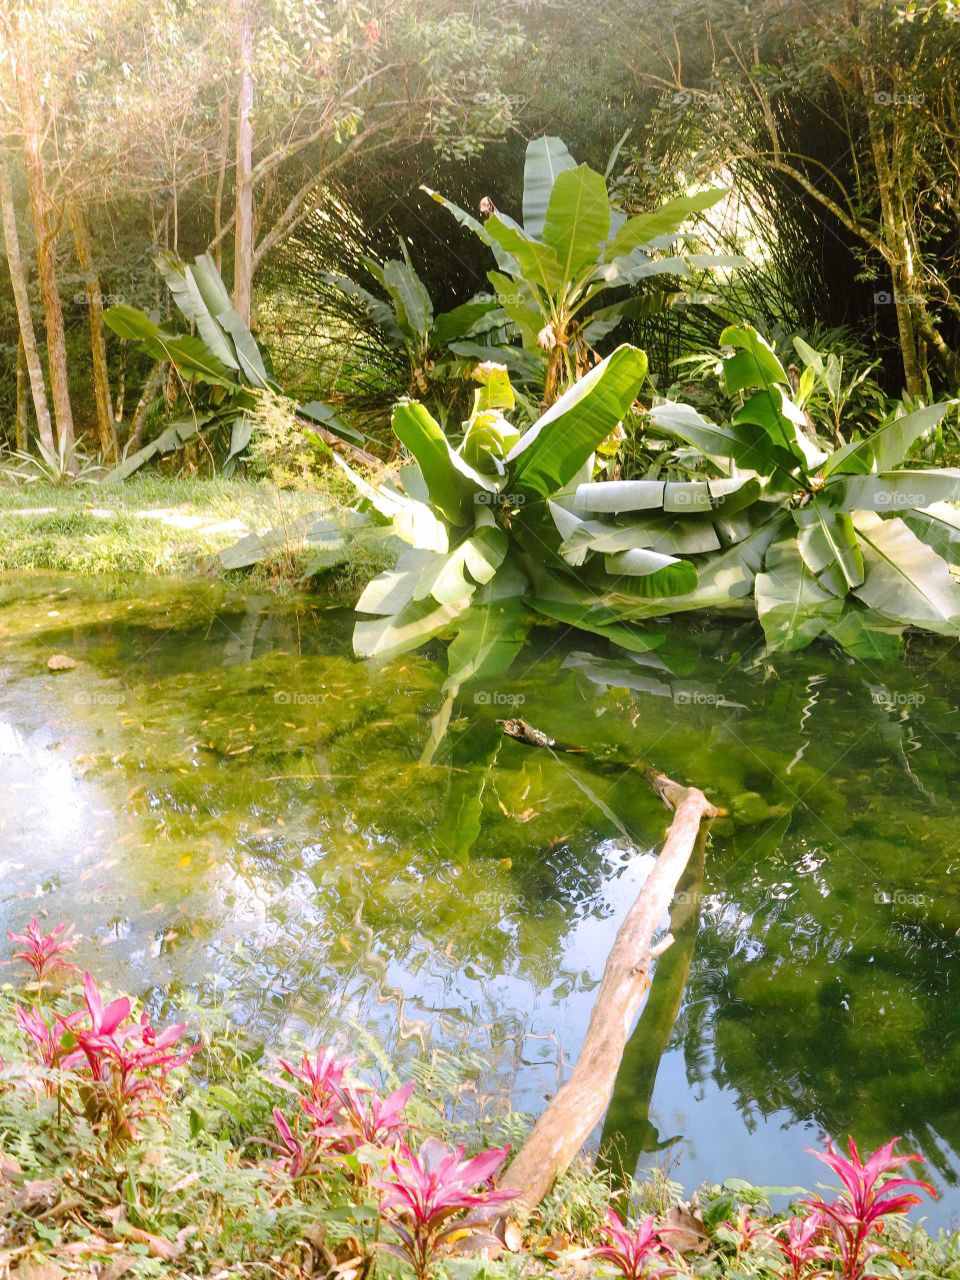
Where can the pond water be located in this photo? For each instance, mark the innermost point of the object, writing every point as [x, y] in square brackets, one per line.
[228, 803]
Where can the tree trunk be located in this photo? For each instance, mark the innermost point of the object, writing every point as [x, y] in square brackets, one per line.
[18, 281]
[225, 119]
[151, 390]
[46, 227]
[243, 182]
[106, 427]
[23, 413]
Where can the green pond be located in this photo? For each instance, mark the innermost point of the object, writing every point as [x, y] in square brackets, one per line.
[229, 804]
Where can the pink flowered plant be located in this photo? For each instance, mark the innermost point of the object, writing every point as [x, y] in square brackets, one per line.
[45, 1040]
[868, 1198]
[44, 952]
[635, 1251]
[800, 1242]
[423, 1195]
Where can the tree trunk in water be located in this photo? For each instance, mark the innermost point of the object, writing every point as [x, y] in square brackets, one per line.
[45, 229]
[628, 1131]
[23, 413]
[18, 280]
[106, 427]
[243, 183]
[580, 1103]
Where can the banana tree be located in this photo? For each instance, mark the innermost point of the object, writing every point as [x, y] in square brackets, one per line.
[407, 322]
[222, 354]
[572, 248]
[848, 542]
[482, 550]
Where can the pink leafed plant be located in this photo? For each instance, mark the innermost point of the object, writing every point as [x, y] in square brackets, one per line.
[869, 1197]
[44, 1039]
[44, 952]
[367, 1118]
[746, 1229]
[125, 1063]
[635, 1251]
[322, 1075]
[800, 1240]
[423, 1198]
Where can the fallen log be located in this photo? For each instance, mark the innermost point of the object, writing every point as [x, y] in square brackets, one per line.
[579, 1104]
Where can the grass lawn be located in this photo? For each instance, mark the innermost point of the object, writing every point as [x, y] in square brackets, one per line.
[148, 524]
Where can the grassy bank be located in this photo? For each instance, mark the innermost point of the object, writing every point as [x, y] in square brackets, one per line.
[127, 1149]
[156, 525]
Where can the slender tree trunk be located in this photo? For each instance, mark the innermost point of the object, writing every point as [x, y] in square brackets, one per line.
[46, 227]
[243, 184]
[151, 390]
[23, 412]
[121, 387]
[226, 115]
[106, 427]
[18, 280]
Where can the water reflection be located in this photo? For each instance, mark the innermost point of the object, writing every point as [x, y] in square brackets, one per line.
[226, 800]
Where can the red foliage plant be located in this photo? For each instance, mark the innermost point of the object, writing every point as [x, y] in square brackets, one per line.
[44, 952]
[423, 1198]
[869, 1196]
[635, 1251]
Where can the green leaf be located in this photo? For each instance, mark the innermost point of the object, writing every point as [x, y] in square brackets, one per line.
[326, 416]
[939, 527]
[413, 522]
[792, 606]
[755, 363]
[187, 296]
[577, 606]
[488, 639]
[652, 574]
[546, 159]
[451, 325]
[410, 298]
[505, 261]
[827, 537]
[578, 218]
[886, 447]
[547, 456]
[538, 263]
[640, 230]
[746, 444]
[863, 637]
[691, 535]
[905, 579]
[416, 623]
[469, 565]
[891, 491]
[519, 304]
[452, 483]
[247, 351]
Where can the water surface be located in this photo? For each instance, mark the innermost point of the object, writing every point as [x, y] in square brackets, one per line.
[228, 803]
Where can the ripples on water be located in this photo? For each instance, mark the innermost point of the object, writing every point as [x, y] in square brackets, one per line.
[228, 803]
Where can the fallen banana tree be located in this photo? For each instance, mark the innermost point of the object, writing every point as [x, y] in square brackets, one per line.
[581, 1101]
